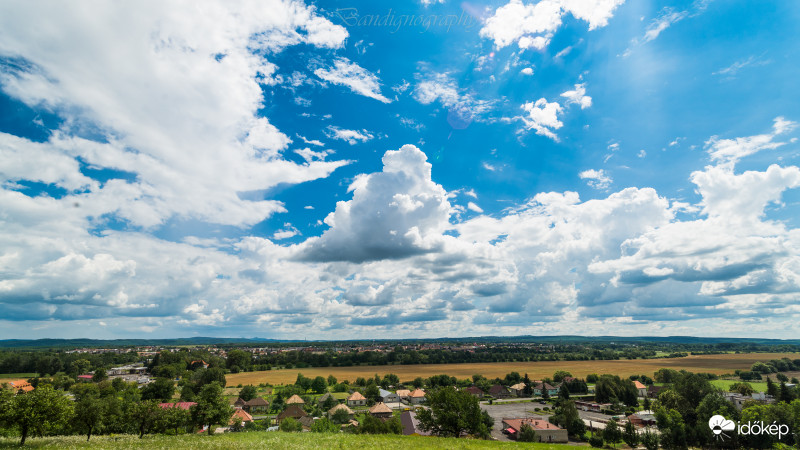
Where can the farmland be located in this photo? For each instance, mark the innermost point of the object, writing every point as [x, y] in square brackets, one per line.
[716, 364]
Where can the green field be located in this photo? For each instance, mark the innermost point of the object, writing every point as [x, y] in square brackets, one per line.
[759, 386]
[266, 440]
[16, 376]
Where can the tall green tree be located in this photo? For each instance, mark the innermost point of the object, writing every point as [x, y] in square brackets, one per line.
[212, 407]
[452, 413]
[630, 436]
[90, 410]
[39, 411]
[144, 415]
[319, 385]
[160, 389]
[611, 433]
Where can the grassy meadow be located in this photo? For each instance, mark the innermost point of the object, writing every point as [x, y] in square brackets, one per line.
[272, 440]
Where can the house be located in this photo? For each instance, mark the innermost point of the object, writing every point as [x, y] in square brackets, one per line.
[295, 400]
[238, 403]
[343, 407]
[568, 380]
[356, 399]
[241, 414]
[641, 388]
[416, 397]
[541, 388]
[389, 397]
[517, 389]
[499, 391]
[294, 411]
[323, 398]
[545, 431]
[476, 391]
[403, 393]
[20, 385]
[641, 419]
[591, 406]
[739, 400]
[85, 377]
[381, 411]
[182, 405]
[653, 391]
[306, 422]
[256, 405]
[198, 363]
[408, 419]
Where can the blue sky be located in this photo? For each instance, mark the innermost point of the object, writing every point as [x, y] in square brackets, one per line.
[347, 169]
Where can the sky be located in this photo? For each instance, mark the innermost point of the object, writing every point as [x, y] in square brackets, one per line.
[357, 169]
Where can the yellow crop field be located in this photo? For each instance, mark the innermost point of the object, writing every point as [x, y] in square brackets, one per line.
[717, 364]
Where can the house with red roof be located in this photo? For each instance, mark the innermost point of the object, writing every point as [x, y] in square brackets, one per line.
[545, 431]
[641, 388]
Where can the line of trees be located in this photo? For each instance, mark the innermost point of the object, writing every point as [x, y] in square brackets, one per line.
[105, 408]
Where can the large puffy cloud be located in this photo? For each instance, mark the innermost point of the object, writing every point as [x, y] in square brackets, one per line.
[169, 92]
[532, 25]
[393, 214]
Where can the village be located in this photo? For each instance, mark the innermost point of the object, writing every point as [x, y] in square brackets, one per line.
[559, 409]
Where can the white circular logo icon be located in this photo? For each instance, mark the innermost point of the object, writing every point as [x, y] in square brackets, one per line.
[719, 424]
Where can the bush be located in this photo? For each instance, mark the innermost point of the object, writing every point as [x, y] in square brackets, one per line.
[596, 441]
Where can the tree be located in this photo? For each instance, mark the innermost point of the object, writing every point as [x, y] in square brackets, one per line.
[329, 403]
[160, 389]
[563, 393]
[38, 412]
[592, 378]
[248, 392]
[372, 392]
[325, 425]
[771, 388]
[650, 440]
[174, 419]
[528, 390]
[452, 413]
[144, 416]
[89, 411]
[630, 436]
[673, 430]
[331, 380]
[560, 375]
[743, 388]
[566, 416]
[290, 425]
[646, 403]
[319, 385]
[526, 433]
[417, 382]
[611, 433]
[373, 425]
[340, 416]
[596, 441]
[782, 378]
[99, 375]
[239, 358]
[785, 394]
[79, 366]
[303, 382]
[212, 408]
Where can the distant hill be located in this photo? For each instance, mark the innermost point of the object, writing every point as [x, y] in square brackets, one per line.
[568, 339]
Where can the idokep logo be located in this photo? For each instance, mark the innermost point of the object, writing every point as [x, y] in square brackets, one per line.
[719, 425]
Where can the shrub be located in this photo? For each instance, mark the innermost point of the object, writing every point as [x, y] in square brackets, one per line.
[596, 441]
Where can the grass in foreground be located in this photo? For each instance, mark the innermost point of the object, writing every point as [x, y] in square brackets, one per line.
[270, 440]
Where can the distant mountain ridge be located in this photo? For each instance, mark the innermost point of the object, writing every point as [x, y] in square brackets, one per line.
[201, 340]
